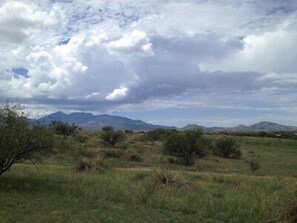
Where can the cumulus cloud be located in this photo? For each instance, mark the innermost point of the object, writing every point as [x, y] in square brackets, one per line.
[271, 52]
[84, 55]
[201, 46]
[134, 42]
[117, 94]
[19, 21]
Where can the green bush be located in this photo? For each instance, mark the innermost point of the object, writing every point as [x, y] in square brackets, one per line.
[110, 137]
[154, 135]
[19, 139]
[65, 129]
[134, 157]
[112, 153]
[81, 138]
[227, 148]
[97, 166]
[186, 146]
[254, 165]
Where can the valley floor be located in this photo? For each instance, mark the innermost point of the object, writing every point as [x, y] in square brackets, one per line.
[152, 189]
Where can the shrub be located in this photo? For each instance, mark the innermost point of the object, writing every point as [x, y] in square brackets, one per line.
[20, 140]
[110, 137]
[107, 128]
[161, 178]
[154, 135]
[83, 152]
[65, 129]
[98, 166]
[254, 165]
[112, 153]
[165, 178]
[174, 160]
[81, 138]
[227, 147]
[134, 157]
[186, 145]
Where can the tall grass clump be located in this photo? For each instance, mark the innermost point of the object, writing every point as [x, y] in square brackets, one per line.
[283, 209]
[97, 166]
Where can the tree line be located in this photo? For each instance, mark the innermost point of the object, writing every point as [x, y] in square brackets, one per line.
[22, 140]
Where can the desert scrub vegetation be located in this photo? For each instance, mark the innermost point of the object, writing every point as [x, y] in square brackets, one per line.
[111, 137]
[227, 147]
[98, 166]
[186, 145]
[19, 139]
[254, 165]
[64, 129]
[88, 197]
[138, 182]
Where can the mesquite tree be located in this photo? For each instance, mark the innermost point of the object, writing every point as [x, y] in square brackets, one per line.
[19, 139]
[186, 145]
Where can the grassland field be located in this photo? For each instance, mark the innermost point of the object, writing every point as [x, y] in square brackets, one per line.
[135, 182]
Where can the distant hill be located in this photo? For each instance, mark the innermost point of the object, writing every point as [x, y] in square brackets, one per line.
[260, 126]
[205, 129]
[270, 126]
[89, 121]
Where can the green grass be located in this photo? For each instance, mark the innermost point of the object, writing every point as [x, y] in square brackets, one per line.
[220, 190]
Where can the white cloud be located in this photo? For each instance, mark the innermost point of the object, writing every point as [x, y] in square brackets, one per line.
[117, 94]
[273, 51]
[78, 53]
[19, 21]
[134, 42]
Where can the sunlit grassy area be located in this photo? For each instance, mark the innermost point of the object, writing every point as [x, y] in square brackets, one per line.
[150, 189]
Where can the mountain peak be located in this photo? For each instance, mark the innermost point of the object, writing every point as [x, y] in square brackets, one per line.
[270, 126]
[260, 126]
[95, 122]
[58, 113]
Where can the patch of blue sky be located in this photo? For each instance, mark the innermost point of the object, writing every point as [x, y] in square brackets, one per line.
[20, 71]
[63, 41]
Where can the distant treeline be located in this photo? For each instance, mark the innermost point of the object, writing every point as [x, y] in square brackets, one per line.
[280, 134]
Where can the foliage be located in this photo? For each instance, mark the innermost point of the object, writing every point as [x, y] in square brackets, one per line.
[64, 129]
[97, 166]
[19, 140]
[157, 135]
[186, 145]
[228, 194]
[264, 134]
[107, 128]
[227, 147]
[154, 135]
[164, 178]
[134, 157]
[111, 137]
[254, 165]
[81, 138]
[113, 153]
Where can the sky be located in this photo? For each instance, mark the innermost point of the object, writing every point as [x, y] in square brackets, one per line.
[169, 62]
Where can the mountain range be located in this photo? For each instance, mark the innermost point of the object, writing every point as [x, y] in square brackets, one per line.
[260, 126]
[89, 121]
